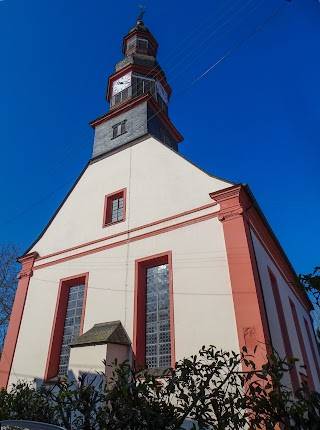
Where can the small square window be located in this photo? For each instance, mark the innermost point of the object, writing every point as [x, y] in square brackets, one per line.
[119, 129]
[142, 45]
[115, 208]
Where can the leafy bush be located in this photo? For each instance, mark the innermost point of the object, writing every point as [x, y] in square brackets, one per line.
[214, 389]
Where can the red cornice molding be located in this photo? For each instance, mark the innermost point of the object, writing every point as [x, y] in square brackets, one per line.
[121, 109]
[11, 339]
[129, 240]
[28, 257]
[238, 201]
[233, 201]
[132, 230]
[134, 102]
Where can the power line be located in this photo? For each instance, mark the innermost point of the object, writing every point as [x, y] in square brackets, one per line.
[175, 293]
[69, 152]
[69, 147]
[234, 11]
[221, 59]
[238, 45]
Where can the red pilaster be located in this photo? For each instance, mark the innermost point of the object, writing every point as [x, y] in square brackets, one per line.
[247, 294]
[16, 317]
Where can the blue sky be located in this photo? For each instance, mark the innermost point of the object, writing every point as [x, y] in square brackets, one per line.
[253, 119]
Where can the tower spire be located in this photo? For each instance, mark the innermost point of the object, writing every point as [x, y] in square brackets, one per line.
[138, 94]
[141, 14]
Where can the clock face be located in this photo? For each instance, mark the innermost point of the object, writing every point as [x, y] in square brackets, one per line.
[121, 83]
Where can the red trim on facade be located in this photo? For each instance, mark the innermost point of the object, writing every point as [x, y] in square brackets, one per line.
[283, 328]
[108, 208]
[11, 339]
[139, 319]
[141, 227]
[121, 109]
[292, 284]
[313, 350]
[250, 314]
[129, 240]
[302, 345]
[261, 228]
[58, 322]
[124, 107]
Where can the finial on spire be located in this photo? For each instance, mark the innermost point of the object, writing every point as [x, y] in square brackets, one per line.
[141, 14]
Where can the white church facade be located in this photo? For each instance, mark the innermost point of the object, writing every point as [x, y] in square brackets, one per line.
[149, 257]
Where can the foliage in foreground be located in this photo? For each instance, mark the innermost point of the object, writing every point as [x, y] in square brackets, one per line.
[210, 388]
[8, 284]
[311, 284]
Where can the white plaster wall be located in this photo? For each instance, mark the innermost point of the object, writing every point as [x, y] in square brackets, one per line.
[87, 359]
[264, 261]
[203, 304]
[159, 183]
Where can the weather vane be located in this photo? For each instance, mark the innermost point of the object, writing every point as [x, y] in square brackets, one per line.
[142, 12]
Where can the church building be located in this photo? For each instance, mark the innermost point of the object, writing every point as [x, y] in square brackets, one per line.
[149, 257]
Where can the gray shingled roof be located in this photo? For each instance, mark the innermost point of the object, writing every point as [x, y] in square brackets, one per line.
[103, 333]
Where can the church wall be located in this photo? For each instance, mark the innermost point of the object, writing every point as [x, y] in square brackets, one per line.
[88, 360]
[266, 265]
[203, 304]
[159, 183]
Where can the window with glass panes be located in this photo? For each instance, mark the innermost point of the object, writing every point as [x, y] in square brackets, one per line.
[71, 325]
[142, 45]
[158, 339]
[114, 208]
[117, 209]
[119, 128]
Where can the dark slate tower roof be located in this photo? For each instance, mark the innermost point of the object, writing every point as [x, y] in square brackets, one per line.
[138, 94]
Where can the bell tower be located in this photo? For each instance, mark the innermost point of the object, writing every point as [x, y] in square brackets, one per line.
[138, 94]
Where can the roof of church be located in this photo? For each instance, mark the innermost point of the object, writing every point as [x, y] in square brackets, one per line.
[102, 333]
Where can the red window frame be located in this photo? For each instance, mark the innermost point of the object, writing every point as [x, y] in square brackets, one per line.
[304, 379]
[312, 339]
[308, 376]
[107, 212]
[139, 324]
[283, 328]
[53, 358]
